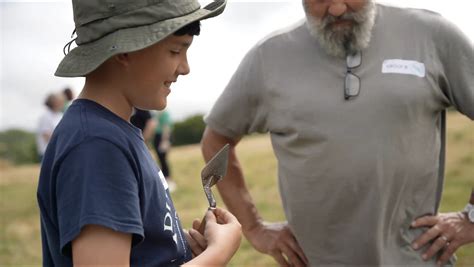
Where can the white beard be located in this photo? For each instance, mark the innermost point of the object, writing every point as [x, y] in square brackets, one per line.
[344, 41]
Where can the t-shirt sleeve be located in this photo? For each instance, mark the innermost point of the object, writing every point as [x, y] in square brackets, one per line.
[96, 184]
[457, 60]
[238, 110]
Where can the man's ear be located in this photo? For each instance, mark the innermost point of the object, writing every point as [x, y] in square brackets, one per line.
[123, 59]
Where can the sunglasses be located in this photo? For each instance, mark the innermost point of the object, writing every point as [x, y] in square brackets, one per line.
[352, 81]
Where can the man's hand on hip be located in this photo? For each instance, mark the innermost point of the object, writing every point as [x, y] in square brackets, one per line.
[448, 232]
[277, 240]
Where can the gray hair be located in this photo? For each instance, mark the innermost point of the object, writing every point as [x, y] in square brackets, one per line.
[340, 43]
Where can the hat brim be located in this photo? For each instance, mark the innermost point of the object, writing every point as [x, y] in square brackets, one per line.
[85, 58]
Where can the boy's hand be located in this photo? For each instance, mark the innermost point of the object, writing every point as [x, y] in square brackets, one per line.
[196, 241]
[221, 239]
[220, 226]
[223, 232]
[223, 224]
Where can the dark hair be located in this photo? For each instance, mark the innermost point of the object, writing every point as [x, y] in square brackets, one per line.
[49, 101]
[68, 93]
[190, 29]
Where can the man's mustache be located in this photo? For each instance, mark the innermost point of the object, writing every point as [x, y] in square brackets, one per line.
[330, 19]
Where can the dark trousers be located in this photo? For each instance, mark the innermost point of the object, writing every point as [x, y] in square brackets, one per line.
[161, 156]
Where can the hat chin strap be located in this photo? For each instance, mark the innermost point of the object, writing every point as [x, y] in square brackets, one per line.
[68, 45]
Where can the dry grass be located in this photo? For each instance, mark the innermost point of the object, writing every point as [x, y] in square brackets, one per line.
[20, 234]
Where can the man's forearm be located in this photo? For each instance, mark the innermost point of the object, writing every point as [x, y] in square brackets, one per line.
[236, 196]
[233, 189]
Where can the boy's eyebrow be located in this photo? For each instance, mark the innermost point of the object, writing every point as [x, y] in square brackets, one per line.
[183, 43]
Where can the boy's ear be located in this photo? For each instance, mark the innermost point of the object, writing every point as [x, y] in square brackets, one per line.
[123, 59]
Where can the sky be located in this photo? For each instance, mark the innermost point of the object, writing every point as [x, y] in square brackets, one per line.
[33, 33]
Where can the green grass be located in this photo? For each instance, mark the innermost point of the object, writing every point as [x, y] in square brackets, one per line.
[20, 233]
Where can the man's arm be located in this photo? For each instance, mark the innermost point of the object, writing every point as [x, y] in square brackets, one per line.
[97, 245]
[233, 189]
[274, 239]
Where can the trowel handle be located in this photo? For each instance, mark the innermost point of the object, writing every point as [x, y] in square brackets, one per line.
[203, 222]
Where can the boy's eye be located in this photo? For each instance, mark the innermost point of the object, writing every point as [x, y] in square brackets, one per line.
[175, 52]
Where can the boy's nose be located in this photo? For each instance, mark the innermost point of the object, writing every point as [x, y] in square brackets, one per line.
[183, 68]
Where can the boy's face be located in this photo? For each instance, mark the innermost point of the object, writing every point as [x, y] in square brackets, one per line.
[152, 71]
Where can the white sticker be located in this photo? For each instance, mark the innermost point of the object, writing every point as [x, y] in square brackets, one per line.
[401, 66]
[163, 180]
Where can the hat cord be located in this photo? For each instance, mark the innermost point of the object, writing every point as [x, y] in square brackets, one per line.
[68, 45]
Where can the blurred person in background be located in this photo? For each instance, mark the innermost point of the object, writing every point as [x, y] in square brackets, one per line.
[68, 97]
[354, 99]
[143, 120]
[162, 144]
[48, 121]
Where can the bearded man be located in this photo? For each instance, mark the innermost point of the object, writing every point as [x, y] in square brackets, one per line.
[354, 99]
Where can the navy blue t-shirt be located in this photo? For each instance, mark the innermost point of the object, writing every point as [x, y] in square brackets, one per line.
[98, 170]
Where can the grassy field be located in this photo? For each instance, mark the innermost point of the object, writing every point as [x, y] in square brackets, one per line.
[20, 233]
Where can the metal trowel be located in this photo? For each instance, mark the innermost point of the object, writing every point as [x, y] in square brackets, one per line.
[212, 173]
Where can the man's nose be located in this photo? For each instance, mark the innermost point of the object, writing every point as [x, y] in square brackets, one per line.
[337, 8]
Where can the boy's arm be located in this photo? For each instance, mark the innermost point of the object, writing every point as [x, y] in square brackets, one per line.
[98, 245]
[210, 257]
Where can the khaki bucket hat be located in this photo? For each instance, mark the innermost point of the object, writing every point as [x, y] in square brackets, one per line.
[106, 28]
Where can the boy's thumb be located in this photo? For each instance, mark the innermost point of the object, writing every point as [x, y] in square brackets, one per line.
[210, 217]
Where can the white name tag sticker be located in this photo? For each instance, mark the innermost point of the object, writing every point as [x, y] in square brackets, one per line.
[401, 66]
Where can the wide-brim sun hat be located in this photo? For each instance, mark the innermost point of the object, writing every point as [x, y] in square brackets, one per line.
[108, 28]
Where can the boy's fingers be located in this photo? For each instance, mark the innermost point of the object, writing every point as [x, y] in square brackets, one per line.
[198, 238]
[193, 244]
[210, 217]
[196, 224]
[224, 216]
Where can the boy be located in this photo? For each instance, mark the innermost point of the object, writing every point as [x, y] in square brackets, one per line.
[103, 200]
